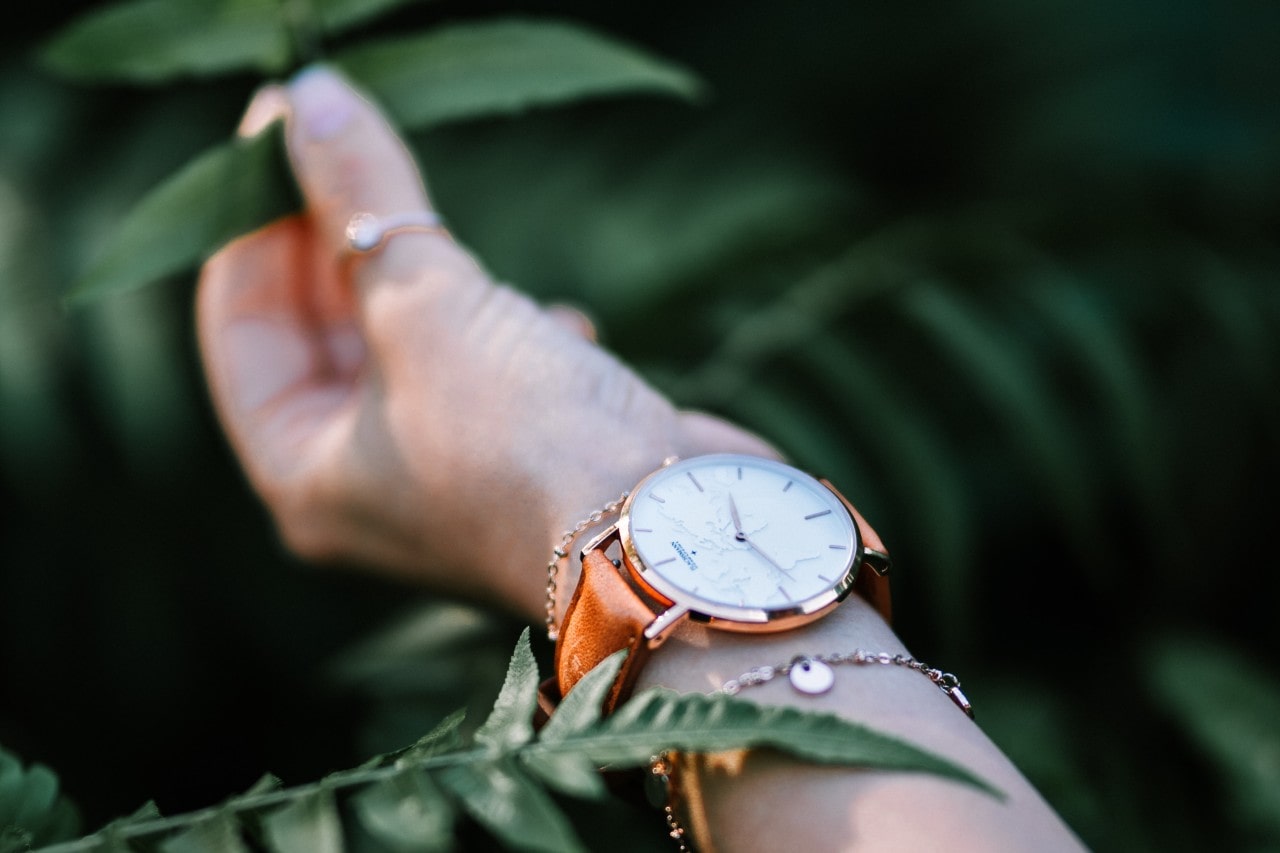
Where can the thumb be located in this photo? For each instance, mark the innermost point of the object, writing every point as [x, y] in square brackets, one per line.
[348, 160]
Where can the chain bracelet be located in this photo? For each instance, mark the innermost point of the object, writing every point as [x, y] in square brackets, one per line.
[660, 770]
[562, 550]
[812, 674]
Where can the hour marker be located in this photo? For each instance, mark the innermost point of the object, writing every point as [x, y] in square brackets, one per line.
[694, 480]
[817, 514]
[789, 484]
[838, 547]
[644, 530]
[784, 594]
[664, 562]
[825, 578]
[656, 498]
[739, 472]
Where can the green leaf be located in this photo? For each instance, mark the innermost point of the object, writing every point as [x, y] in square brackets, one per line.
[511, 806]
[266, 783]
[112, 838]
[571, 773]
[785, 324]
[407, 812]
[658, 239]
[444, 737]
[11, 786]
[146, 812]
[567, 773]
[339, 15]
[1013, 386]
[584, 705]
[510, 724]
[1229, 707]
[1121, 393]
[151, 41]
[38, 795]
[308, 824]
[219, 832]
[229, 190]
[470, 70]
[14, 839]
[660, 719]
[32, 810]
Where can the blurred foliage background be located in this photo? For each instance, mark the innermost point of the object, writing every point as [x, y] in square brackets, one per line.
[1005, 271]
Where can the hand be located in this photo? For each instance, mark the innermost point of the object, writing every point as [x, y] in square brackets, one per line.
[399, 409]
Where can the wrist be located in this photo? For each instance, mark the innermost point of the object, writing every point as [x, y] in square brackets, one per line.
[583, 507]
[555, 493]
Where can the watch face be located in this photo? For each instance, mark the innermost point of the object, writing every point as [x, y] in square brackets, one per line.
[740, 538]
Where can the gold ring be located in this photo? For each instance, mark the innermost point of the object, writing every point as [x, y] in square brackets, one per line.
[366, 232]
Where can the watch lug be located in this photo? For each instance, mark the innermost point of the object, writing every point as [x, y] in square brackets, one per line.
[878, 561]
[870, 539]
[603, 539]
[659, 629]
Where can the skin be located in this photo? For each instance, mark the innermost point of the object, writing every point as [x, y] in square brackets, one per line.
[400, 411]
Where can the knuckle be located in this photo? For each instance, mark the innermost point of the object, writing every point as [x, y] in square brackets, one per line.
[308, 538]
[437, 290]
[302, 522]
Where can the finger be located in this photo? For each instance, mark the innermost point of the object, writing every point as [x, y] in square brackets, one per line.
[277, 363]
[254, 346]
[349, 160]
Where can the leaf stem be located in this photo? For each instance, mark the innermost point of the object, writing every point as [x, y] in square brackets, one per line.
[355, 777]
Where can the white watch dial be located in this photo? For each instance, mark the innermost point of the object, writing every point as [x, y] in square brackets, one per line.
[741, 532]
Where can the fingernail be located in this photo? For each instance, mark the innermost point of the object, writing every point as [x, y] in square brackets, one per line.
[267, 105]
[322, 103]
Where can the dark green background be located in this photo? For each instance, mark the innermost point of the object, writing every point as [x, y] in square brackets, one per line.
[1006, 271]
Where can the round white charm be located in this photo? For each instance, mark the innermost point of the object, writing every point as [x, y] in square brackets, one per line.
[812, 676]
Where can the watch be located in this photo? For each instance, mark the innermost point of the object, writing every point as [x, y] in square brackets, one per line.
[735, 542]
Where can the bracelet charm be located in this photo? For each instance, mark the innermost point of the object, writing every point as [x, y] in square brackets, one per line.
[811, 676]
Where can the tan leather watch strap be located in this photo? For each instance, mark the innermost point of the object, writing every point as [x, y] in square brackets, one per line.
[606, 615]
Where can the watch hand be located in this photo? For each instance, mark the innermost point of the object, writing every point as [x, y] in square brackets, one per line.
[737, 522]
[767, 558]
[742, 537]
